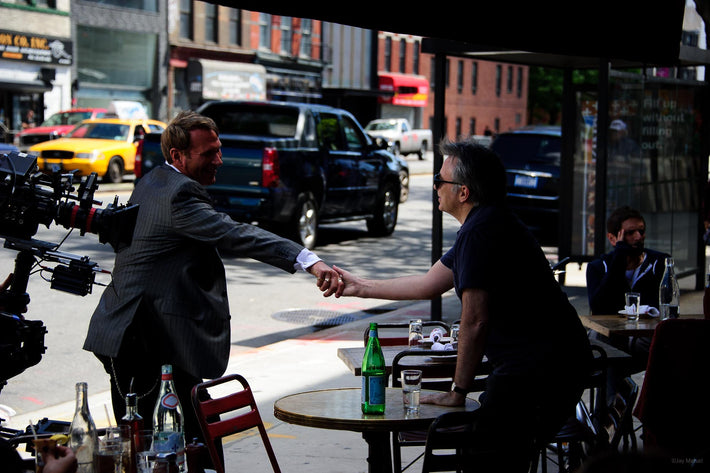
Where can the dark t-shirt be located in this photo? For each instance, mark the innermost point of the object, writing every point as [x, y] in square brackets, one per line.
[532, 325]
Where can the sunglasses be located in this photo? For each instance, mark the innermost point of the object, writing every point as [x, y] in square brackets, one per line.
[438, 181]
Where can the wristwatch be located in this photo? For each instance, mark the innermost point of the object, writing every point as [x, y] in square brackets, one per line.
[459, 390]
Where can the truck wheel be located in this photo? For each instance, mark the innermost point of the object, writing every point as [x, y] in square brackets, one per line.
[305, 225]
[385, 214]
[114, 172]
[422, 149]
[394, 149]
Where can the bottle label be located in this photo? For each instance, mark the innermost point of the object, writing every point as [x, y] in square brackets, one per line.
[373, 389]
[169, 401]
[168, 441]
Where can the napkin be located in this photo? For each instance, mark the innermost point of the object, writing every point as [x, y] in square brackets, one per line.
[643, 310]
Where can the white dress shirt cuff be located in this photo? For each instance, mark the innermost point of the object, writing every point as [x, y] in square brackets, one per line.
[305, 260]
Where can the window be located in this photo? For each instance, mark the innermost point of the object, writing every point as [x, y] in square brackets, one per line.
[474, 77]
[306, 37]
[186, 30]
[264, 31]
[448, 66]
[459, 78]
[286, 35]
[388, 54]
[499, 79]
[144, 5]
[235, 20]
[415, 58]
[211, 27]
[353, 137]
[402, 56]
[472, 126]
[520, 82]
[458, 127]
[509, 87]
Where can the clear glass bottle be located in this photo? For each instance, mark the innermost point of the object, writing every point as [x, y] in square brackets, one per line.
[135, 423]
[83, 439]
[669, 293]
[374, 378]
[168, 428]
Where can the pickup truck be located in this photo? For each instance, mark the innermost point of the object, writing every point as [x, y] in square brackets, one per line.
[290, 167]
[400, 136]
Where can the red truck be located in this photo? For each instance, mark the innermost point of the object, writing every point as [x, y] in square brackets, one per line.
[55, 126]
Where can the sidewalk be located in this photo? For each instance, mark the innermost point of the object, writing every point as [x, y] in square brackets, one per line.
[310, 362]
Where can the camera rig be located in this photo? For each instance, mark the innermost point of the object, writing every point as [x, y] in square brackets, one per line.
[29, 198]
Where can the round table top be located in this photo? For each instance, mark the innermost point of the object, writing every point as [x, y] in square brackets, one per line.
[339, 409]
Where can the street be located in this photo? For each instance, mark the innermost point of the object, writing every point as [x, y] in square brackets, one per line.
[267, 304]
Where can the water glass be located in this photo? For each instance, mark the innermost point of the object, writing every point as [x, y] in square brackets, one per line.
[415, 333]
[455, 332]
[411, 389]
[145, 455]
[633, 303]
[114, 448]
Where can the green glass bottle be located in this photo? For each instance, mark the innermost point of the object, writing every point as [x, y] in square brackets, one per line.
[374, 377]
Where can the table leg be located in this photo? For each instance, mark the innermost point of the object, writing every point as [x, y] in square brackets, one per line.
[379, 453]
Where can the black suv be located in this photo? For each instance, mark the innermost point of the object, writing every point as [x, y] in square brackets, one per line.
[531, 156]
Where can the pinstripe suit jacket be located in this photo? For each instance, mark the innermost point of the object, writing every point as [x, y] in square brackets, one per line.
[171, 279]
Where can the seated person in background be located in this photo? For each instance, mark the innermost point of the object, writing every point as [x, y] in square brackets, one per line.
[630, 267]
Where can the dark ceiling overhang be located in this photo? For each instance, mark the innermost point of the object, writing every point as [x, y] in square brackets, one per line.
[557, 32]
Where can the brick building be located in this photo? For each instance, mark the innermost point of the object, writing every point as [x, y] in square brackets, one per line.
[480, 95]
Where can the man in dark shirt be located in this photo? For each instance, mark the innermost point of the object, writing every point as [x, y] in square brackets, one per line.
[629, 267]
[513, 311]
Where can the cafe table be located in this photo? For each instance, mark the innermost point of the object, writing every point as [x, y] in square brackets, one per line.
[339, 409]
[610, 325]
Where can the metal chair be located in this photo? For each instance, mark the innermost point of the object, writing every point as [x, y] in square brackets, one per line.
[232, 413]
[580, 435]
[437, 375]
[449, 441]
[402, 332]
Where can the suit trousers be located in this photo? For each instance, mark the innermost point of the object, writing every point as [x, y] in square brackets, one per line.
[137, 370]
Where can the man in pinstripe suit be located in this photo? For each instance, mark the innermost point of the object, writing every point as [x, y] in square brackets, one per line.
[167, 301]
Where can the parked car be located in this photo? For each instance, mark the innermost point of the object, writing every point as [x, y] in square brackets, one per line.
[531, 156]
[400, 136]
[56, 126]
[106, 146]
[291, 167]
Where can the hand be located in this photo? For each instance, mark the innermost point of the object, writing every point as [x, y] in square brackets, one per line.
[327, 279]
[444, 399]
[59, 460]
[352, 285]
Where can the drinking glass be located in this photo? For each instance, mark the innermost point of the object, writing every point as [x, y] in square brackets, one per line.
[415, 333]
[633, 302]
[411, 388]
[145, 455]
[114, 447]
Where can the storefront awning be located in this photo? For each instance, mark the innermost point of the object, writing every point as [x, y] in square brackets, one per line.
[408, 90]
[36, 86]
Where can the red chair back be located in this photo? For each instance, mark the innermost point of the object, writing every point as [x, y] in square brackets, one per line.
[227, 415]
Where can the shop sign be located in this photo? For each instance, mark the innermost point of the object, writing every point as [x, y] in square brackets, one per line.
[35, 48]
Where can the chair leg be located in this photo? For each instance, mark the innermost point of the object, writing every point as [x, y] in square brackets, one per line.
[396, 453]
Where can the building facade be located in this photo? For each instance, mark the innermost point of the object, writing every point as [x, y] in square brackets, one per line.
[481, 97]
[223, 53]
[121, 50]
[37, 52]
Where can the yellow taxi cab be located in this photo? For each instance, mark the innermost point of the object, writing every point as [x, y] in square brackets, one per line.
[106, 146]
